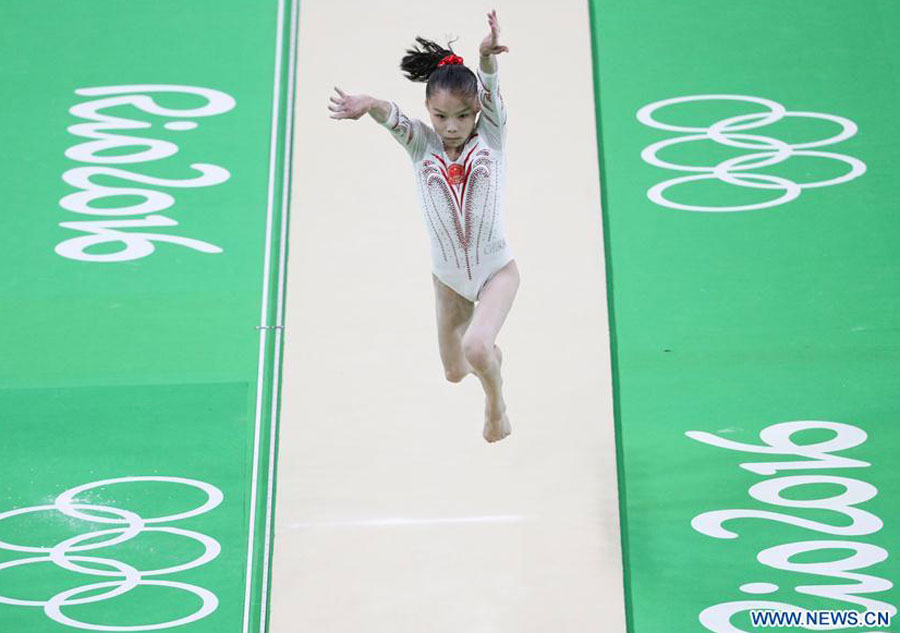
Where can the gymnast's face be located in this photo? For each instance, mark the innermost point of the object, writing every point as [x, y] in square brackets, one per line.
[453, 116]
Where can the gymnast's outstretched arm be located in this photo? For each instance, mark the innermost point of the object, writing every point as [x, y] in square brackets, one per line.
[410, 133]
[347, 106]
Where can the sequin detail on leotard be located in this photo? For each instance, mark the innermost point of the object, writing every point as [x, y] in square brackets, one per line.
[462, 200]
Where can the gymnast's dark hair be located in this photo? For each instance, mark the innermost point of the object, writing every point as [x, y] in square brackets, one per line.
[422, 65]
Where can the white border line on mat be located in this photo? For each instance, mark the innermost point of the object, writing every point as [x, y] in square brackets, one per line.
[279, 331]
[273, 144]
[414, 521]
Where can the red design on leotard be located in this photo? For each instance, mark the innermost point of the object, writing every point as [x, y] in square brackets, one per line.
[456, 174]
[467, 191]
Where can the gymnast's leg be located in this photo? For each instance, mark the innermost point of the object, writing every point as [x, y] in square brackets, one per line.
[483, 355]
[453, 315]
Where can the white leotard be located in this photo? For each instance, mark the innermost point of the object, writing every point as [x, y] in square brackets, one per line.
[462, 200]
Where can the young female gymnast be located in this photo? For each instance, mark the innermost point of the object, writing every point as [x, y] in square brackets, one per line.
[460, 173]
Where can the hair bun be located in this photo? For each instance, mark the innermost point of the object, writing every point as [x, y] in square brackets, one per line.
[419, 64]
[439, 67]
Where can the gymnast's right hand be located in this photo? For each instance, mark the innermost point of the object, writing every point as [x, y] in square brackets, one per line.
[347, 106]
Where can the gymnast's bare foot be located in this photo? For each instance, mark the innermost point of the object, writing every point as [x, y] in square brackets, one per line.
[496, 429]
[496, 423]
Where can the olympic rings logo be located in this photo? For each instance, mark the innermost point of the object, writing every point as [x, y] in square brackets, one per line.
[125, 576]
[733, 170]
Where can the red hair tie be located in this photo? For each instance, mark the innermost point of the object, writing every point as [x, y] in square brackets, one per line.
[449, 60]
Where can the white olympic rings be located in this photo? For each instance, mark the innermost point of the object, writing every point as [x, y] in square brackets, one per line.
[127, 577]
[726, 133]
